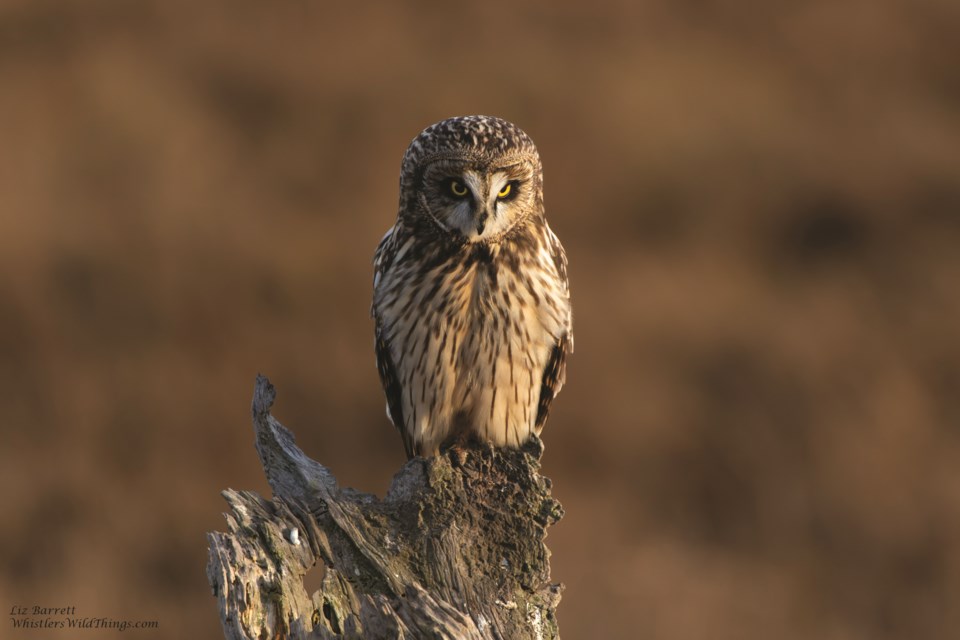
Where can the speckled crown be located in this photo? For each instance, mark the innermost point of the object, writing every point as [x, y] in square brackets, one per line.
[483, 138]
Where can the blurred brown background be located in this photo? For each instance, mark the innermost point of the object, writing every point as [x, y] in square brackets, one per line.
[760, 434]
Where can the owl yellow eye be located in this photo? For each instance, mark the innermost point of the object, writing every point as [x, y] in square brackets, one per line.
[458, 189]
[503, 193]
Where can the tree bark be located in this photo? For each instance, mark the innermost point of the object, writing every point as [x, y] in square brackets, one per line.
[454, 550]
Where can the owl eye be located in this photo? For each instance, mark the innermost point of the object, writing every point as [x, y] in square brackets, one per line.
[458, 189]
[507, 192]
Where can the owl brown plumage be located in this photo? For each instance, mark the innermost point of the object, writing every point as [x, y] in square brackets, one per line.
[471, 301]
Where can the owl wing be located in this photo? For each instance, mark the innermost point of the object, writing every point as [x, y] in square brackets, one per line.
[555, 373]
[392, 389]
[382, 261]
[553, 378]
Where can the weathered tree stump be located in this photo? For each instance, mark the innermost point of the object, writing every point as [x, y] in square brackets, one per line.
[454, 550]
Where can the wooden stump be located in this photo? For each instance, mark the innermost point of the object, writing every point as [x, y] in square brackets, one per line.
[454, 550]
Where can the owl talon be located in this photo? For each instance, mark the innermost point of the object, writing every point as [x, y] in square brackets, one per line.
[534, 447]
[458, 455]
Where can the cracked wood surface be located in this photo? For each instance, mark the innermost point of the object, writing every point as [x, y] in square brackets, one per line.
[454, 550]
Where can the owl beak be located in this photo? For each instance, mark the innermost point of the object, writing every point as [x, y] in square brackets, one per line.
[481, 222]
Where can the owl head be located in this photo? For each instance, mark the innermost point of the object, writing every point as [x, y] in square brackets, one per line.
[473, 177]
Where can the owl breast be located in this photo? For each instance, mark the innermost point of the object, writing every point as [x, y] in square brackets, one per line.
[470, 334]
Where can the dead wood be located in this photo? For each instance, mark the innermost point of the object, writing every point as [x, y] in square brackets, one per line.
[454, 550]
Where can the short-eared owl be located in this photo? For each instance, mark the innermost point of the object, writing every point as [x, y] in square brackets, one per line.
[470, 295]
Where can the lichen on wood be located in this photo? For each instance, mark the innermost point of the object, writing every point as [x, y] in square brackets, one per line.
[454, 550]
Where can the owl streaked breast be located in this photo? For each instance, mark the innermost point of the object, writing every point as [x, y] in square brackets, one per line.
[471, 301]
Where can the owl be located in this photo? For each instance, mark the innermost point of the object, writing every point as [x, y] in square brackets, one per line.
[470, 295]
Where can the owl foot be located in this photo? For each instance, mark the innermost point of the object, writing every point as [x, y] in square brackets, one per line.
[458, 454]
